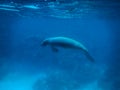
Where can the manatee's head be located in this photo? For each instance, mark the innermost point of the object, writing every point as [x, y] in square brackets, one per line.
[45, 43]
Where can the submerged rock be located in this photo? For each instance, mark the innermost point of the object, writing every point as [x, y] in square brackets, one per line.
[55, 81]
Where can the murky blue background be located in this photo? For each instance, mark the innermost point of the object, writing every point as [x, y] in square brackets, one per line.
[25, 65]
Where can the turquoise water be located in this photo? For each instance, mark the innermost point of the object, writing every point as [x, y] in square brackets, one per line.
[26, 65]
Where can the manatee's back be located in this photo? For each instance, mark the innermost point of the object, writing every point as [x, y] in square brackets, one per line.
[64, 42]
[70, 43]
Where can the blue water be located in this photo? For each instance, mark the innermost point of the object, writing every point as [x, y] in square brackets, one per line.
[26, 65]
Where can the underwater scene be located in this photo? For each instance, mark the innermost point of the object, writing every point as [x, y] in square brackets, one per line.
[59, 45]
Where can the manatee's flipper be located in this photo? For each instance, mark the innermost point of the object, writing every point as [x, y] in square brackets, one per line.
[89, 57]
[54, 49]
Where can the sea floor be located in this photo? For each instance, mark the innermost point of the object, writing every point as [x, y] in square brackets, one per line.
[16, 81]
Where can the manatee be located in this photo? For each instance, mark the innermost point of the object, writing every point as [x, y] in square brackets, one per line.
[66, 42]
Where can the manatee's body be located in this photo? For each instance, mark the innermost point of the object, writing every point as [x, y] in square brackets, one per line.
[65, 42]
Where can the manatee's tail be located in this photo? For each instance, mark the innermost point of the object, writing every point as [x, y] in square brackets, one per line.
[89, 56]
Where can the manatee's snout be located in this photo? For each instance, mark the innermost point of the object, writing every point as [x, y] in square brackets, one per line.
[44, 43]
